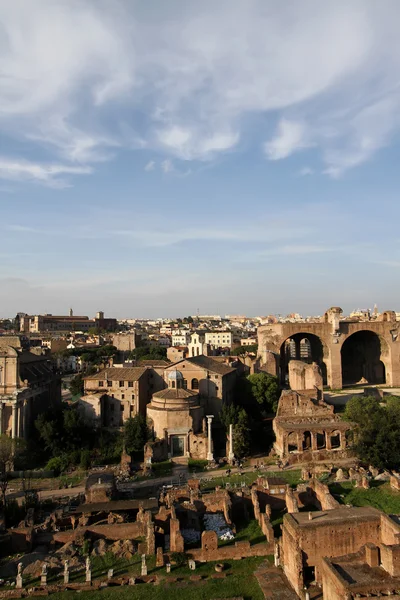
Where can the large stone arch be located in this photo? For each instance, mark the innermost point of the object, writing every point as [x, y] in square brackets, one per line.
[365, 358]
[292, 348]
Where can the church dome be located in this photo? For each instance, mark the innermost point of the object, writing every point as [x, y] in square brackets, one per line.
[175, 376]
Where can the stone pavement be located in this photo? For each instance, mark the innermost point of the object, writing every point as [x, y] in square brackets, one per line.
[273, 583]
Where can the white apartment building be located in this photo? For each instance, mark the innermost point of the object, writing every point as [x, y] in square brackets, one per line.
[181, 338]
[219, 339]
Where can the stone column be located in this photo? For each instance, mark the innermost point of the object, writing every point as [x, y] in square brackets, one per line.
[1, 417]
[313, 441]
[210, 456]
[334, 365]
[14, 421]
[328, 440]
[231, 455]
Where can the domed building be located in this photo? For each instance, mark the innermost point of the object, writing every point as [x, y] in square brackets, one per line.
[176, 417]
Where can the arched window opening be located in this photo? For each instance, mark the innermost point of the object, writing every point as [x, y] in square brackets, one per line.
[195, 384]
[321, 441]
[307, 440]
[335, 440]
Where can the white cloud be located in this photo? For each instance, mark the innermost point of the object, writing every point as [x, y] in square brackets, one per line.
[290, 137]
[305, 171]
[150, 166]
[48, 174]
[167, 166]
[87, 78]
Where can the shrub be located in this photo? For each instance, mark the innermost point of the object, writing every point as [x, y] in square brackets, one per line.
[179, 558]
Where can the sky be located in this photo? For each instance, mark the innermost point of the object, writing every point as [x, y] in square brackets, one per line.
[159, 158]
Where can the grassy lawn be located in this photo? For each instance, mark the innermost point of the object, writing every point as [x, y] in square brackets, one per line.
[291, 477]
[380, 495]
[240, 581]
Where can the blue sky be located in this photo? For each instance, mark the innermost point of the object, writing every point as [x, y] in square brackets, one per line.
[235, 157]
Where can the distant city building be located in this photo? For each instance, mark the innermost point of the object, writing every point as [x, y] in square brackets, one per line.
[49, 323]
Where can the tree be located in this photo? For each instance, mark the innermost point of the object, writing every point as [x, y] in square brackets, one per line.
[229, 415]
[234, 415]
[135, 434]
[376, 429]
[76, 386]
[241, 350]
[264, 389]
[241, 435]
[10, 449]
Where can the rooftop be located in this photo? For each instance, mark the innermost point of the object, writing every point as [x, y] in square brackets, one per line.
[171, 393]
[208, 363]
[335, 516]
[118, 374]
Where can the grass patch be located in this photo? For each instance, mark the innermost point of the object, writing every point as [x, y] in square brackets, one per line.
[240, 581]
[293, 478]
[195, 466]
[380, 495]
[161, 469]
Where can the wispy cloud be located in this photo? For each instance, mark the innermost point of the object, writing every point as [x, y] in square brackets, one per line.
[49, 174]
[290, 137]
[167, 166]
[85, 79]
[150, 166]
[305, 171]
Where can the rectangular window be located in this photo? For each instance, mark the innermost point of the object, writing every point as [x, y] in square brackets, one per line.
[109, 383]
[133, 396]
[121, 384]
[130, 383]
[122, 396]
[101, 383]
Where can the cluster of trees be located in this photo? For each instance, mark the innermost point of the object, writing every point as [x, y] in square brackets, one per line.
[66, 440]
[93, 356]
[259, 393]
[376, 432]
[148, 353]
[256, 399]
[241, 350]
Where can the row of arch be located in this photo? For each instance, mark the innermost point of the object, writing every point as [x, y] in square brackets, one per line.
[363, 357]
[308, 440]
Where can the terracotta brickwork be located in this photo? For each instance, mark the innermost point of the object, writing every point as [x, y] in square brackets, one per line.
[328, 344]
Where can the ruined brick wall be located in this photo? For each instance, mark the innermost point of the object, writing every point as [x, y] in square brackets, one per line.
[291, 501]
[304, 376]
[390, 559]
[323, 496]
[115, 532]
[291, 555]
[210, 551]
[218, 501]
[157, 451]
[334, 586]
[390, 531]
[325, 539]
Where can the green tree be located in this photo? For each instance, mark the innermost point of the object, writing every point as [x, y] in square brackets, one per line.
[229, 415]
[10, 449]
[253, 349]
[241, 435]
[264, 389]
[76, 386]
[376, 430]
[234, 415]
[135, 434]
